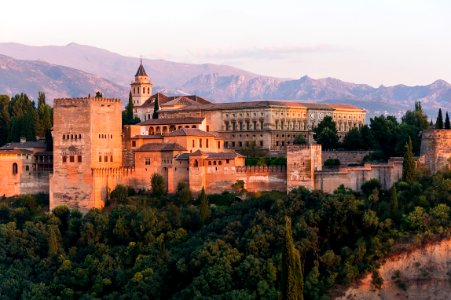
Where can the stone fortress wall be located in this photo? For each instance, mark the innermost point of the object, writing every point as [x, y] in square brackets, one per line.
[435, 152]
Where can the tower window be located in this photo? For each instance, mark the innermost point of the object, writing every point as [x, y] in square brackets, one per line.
[15, 169]
[100, 158]
[206, 143]
[64, 159]
[105, 158]
[71, 158]
[79, 158]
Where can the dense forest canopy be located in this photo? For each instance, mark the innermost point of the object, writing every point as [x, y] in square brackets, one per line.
[149, 246]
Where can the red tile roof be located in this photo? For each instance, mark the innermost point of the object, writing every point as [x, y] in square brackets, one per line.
[170, 121]
[190, 132]
[160, 147]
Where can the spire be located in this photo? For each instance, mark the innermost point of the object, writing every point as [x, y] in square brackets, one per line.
[141, 71]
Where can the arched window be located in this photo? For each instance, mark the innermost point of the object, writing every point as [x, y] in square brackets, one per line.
[196, 163]
[15, 169]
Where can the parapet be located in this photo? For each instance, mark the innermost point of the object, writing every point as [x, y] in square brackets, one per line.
[260, 169]
[83, 101]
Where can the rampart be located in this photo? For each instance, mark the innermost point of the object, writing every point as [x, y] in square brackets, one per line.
[345, 157]
[436, 149]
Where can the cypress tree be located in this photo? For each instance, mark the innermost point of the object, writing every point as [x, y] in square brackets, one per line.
[408, 164]
[129, 109]
[204, 208]
[156, 108]
[292, 281]
[394, 199]
[439, 122]
[447, 124]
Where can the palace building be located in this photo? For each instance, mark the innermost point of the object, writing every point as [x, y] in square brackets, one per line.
[270, 124]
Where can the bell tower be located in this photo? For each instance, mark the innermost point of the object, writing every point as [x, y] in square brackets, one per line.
[141, 87]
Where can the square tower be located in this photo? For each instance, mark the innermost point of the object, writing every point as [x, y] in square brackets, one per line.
[87, 134]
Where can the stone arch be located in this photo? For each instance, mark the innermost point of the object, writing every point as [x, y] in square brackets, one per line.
[151, 131]
[165, 129]
[158, 130]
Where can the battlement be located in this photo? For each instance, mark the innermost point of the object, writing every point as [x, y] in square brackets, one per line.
[84, 101]
[260, 169]
[293, 148]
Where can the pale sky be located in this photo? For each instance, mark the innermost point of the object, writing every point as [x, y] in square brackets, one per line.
[375, 42]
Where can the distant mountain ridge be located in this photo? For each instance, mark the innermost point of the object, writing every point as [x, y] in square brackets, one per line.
[218, 82]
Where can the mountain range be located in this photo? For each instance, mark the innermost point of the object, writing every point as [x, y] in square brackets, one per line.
[76, 70]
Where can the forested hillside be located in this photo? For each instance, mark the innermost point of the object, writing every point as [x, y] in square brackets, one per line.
[155, 246]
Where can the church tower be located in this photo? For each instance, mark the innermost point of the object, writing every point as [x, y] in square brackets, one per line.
[141, 87]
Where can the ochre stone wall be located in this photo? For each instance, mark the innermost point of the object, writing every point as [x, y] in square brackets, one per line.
[302, 163]
[436, 149]
[354, 177]
[345, 157]
[87, 134]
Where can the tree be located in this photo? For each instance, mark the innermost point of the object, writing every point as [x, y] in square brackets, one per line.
[439, 122]
[368, 141]
[119, 194]
[384, 131]
[447, 123]
[44, 116]
[184, 194]
[326, 133]
[129, 107]
[300, 140]
[204, 207]
[99, 94]
[158, 185]
[4, 119]
[156, 108]
[408, 164]
[292, 281]
[394, 199]
[353, 140]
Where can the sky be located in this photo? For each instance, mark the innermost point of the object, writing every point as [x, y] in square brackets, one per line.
[383, 42]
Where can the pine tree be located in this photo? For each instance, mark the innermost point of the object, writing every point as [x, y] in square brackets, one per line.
[292, 281]
[204, 208]
[394, 199]
[439, 122]
[447, 124]
[408, 164]
[156, 108]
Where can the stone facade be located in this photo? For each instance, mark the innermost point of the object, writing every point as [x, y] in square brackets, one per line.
[436, 149]
[87, 135]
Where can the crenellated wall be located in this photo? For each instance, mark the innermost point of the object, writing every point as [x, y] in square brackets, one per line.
[436, 149]
[345, 157]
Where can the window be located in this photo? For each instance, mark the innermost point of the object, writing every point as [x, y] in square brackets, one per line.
[27, 168]
[219, 145]
[227, 161]
[214, 162]
[200, 143]
[233, 126]
[193, 143]
[261, 124]
[100, 158]
[79, 158]
[241, 125]
[248, 126]
[261, 143]
[220, 162]
[105, 158]
[15, 170]
[209, 162]
[255, 125]
[111, 158]
[227, 126]
[133, 143]
[147, 161]
[208, 129]
[71, 158]
[64, 159]
[226, 144]
[233, 144]
[241, 144]
[206, 143]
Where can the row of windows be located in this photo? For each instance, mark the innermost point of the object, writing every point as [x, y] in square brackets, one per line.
[247, 114]
[247, 125]
[71, 136]
[206, 143]
[105, 136]
[71, 158]
[234, 144]
[105, 158]
[137, 90]
[219, 162]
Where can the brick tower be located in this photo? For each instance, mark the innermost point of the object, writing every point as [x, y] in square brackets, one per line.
[86, 135]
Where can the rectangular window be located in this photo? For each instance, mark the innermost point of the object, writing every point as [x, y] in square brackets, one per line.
[233, 144]
[241, 125]
[193, 143]
[261, 125]
[261, 143]
[79, 158]
[248, 125]
[100, 158]
[241, 144]
[226, 144]
[233, 126]
[200, 143]
[220, 162]
[105, 158]
[227, 126]
[206, 143]
[208, 129]
[71, 158]
[219, 145]
[255, 125]
[111, 158]
[227, 161]
[147, 162]
[64, 159]
[133, 143]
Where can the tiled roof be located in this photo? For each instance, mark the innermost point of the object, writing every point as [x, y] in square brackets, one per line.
[141, 71]
[25, 145]
[163, 99]
[160, 147]
[224, 155]
[170, 121]
[190, 132]
[183, 156]
[15, 151]
[267, 103]
[45, 153]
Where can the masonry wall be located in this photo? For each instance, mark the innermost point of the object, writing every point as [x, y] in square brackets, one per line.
[302, 163]
[436, 149]
[345, 157]
[354, 177]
